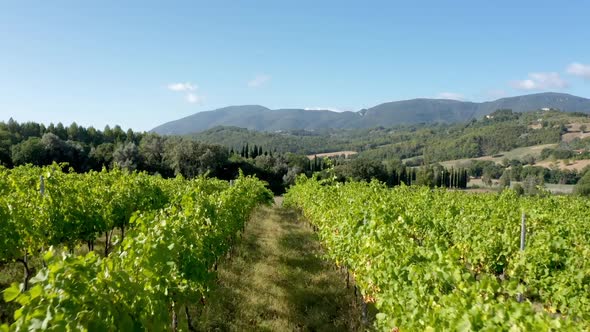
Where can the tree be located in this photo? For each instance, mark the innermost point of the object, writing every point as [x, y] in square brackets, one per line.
[487, 180]
[77, 155]
[119, 134]
[30, 151]
[61, 131]
[531, 184]
[582, 188]
[73, 131]
[94, 137]
[5, 144]
[425, 176]
[126, 155]
[528, 159]
[130, 136]
[583, 128]
[254, 152]
[505, 179]
[30, 129]
[295, 160]
[101, 156]
[361, 169]
[151, 151]
[13, 127]
[108, 134]
[211, 158]
[191, 158]
[264, 162]
[54, 146]
[518, 189]
[292, 173]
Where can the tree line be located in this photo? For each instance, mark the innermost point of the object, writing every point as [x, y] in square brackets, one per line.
[85, 149]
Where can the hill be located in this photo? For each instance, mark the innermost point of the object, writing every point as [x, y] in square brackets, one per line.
[502, 131]
[259, 118]
[406, 112]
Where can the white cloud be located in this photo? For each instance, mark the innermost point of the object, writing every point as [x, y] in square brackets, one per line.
[182, 86]
[541, 81]
[259, 80]
[324, 109]
[191, 96]
[450, 95]
[579, 69]
[194, 98]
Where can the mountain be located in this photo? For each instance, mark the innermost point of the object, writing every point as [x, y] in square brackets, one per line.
[258, 118]
[412, 111]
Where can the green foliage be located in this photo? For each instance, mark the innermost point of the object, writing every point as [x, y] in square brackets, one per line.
[126, 156]
[505, 179]
[532, 184]
[30, 151]
[447, 260]
[164, 262]
[518, 189]
[557, 153]
[582, 188]
[362, 169]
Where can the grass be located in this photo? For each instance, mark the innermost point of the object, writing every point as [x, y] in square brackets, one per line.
[560, 188]
[279, 281]
[517, 153]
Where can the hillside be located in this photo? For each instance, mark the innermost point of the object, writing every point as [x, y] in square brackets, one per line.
[406, 112]
[503, 131]
[258, 118]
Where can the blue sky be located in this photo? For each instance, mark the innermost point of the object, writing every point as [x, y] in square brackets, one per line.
[139, 64]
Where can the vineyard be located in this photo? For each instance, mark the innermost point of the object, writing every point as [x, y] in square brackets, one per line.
[171, 234]
[448, 260]
[117, 250]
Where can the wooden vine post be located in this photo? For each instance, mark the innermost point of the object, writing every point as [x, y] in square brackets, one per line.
[520, 296]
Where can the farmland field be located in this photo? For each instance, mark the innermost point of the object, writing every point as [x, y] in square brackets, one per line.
[125, 250]
[448, 260]
[517, 153]
[173, 233]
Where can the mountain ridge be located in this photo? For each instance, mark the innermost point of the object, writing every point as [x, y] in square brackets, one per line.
[411, 111]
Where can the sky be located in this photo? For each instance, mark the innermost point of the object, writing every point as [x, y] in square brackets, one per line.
[139, 64]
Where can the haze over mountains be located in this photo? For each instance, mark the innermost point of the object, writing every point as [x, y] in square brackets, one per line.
[412, 111]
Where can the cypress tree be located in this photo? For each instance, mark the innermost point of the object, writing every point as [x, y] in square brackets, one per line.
[465, 178]
[254, 152]
[403, 176]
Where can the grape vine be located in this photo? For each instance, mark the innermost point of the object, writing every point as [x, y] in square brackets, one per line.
[449, 260]
[177, 229]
